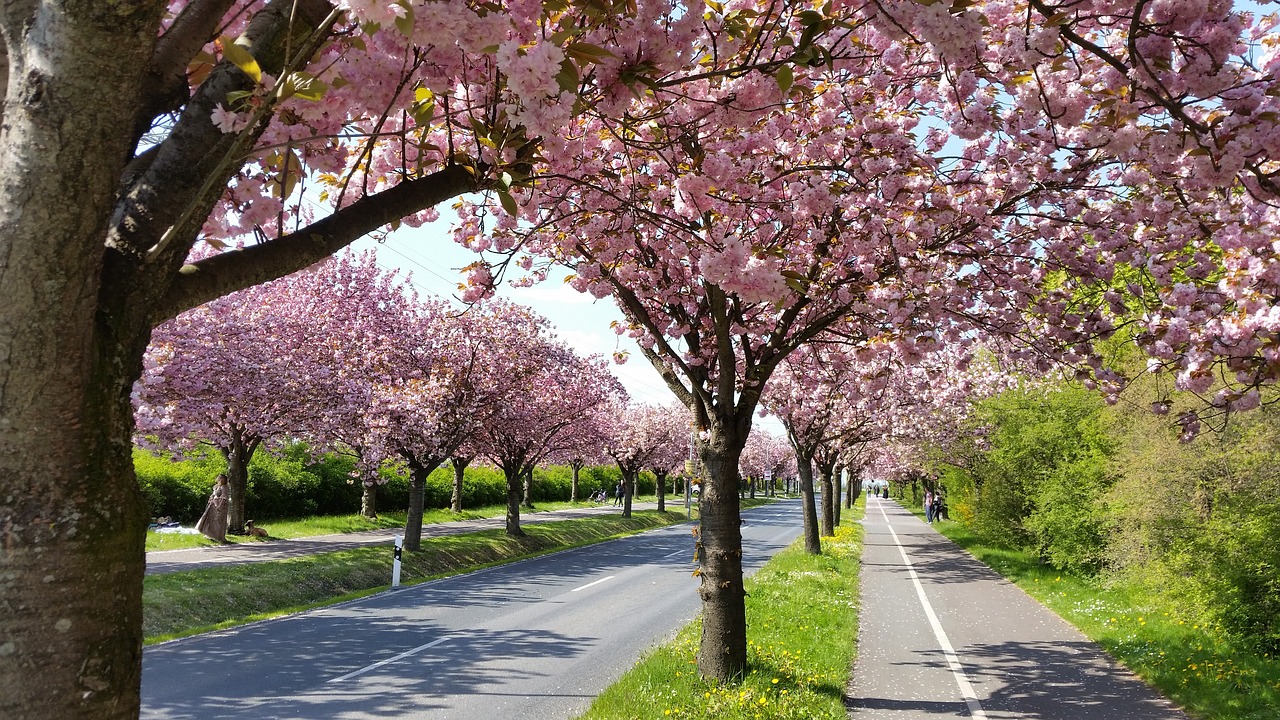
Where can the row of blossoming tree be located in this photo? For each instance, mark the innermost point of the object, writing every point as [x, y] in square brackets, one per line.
[346, 357]
[740, 176]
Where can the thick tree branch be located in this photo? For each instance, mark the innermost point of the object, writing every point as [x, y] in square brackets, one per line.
[194, 155]
[231, 271]
[165, 87]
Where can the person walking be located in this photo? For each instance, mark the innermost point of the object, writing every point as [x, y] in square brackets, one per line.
[928, 506]
[617, 494]
[213, 523]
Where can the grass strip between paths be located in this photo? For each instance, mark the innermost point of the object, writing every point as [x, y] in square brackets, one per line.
[1199, 667]
[289, 529]
[802, 624]
[185, 603]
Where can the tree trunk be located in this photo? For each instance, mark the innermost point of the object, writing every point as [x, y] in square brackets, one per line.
[459, 467]
[417, 495]
[628, 488]
[576, 467]
[238, 452]
[514, 495]
[836, 494]
[72, 521]
[809, 509]
[528, 488]
[828, 514]
[722, 654]
[419, 470]
[661, 475]
[369, 500]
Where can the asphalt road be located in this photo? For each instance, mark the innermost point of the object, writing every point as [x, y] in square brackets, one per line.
[942, 635]
[538, 638]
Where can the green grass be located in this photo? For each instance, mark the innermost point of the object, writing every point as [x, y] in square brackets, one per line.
[331, 524]
[802, 619]
[1201, 668]
[185, 603]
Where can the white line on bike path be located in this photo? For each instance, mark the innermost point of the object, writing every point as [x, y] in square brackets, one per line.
[953, 660]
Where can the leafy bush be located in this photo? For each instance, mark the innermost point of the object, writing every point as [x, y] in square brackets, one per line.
[176, 489]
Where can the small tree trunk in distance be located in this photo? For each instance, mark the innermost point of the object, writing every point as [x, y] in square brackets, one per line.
[459, 466]
[514, 495]
[369, 500]
[575, 465]
[419, 470]
[628, 487]
[661, 475]
[238, 452]
[837, 492]
[828, 515]
[528, 488]
[413, 520]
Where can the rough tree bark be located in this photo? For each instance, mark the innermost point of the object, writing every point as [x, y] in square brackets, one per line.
[808, 505]
[369, 500]
[515, 493]
[661, 475]
[459, 473]
[238, 452]
[420, 468]
[723, 650]
[576, 466]
[528, 487]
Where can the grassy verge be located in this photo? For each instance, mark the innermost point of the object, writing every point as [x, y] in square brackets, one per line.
[332, 524]
[185, 603]
[1199, 667]
[802, 620]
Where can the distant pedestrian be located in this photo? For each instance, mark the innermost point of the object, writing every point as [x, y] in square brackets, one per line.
[617, 494]
[213, 523]
[939, 508]
[928, 506]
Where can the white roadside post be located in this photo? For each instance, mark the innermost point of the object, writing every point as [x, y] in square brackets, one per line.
[395, 565]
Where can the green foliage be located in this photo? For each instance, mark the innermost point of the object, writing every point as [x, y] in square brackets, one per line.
[176, 488]
[291, 483]
[1200, 522]
[1041, 480]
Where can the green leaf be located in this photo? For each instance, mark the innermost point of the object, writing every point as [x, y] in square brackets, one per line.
[785, 77]
[303, 85]
[240, 56]
[508, 203]
[810, 17]
[567, 78]
[587, 53]
[405, 24]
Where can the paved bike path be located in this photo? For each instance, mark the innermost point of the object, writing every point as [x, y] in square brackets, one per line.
[942, 635]
[167, 561]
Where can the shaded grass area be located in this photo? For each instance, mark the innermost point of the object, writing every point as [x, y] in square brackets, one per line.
[185, 603]
[802, 621]
[1199, 667]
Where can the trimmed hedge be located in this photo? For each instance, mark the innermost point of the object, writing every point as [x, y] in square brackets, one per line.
[291, 483]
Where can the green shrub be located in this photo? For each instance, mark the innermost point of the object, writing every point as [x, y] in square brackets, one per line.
[289, 482]
[175, 488]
